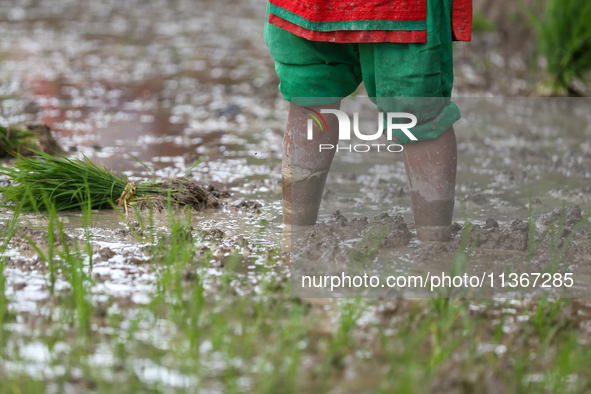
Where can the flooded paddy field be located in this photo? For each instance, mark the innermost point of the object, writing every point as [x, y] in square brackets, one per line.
[201, 301]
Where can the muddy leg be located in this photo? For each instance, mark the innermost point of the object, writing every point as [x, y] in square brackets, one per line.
[304, 167]
[431, 169]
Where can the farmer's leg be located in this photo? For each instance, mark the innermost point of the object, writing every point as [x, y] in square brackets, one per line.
[431, 169]
[418, 78]
[312, 75]
[305, 167]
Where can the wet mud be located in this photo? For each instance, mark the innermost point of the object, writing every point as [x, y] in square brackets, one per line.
[184, 192]
[558, 241]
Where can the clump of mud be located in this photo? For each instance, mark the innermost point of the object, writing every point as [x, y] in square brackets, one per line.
[184, 192]
[564, 237]
[47, 143]
[490, 236]
[391, 230]
[248, 206]
[340, 241]
[218, 193]
[29, 241]
[560, 238]
[15, 141]
[25, 235]
[554, 225]
[337, 243]
[581, 195]
[572, 215]
[188, 192]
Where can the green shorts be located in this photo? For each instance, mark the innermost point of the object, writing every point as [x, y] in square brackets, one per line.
[415, 78]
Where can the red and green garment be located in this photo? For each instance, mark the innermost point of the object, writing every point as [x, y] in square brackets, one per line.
[347, 21]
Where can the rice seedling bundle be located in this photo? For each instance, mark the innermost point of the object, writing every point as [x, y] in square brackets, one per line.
[67, 183]
[564, 38]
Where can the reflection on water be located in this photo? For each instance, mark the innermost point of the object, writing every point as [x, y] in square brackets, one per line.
[163, 80]
[508, 149]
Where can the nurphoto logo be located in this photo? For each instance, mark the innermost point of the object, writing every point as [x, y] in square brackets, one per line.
[345, 129]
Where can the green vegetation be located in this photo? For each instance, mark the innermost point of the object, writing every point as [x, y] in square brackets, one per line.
[204, 332]
[12, 139]
[481, 24]
[16, 141]
[564, 39]
[67, 184]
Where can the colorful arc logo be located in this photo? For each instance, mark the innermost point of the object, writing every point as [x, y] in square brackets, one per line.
[316, 115]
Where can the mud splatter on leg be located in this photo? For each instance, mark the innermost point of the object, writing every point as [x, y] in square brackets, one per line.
[305, 167]
[431, 169]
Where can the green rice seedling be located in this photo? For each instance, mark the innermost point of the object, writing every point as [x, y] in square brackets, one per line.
[3, 305]
[174, 252]
[402, 353]
[70, 261]
[422, 346]
[6, 234]
[459, 265]
[48, 257]
[568, 372]
[21, 383]
[460, 262]
[558, 243]
[339, 345]
[350, 312]
[74, 273]
[87, 223]
[9, 229]
[564, 38]
[264, 328]
[50, 246]
[447, 318]
[555, 238]
[69, 184]
[546, 320]
[71, 265]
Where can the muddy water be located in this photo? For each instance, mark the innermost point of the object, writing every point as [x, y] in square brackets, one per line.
[514, 154]
[168, 82]
[157, 79]
[508, 149]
